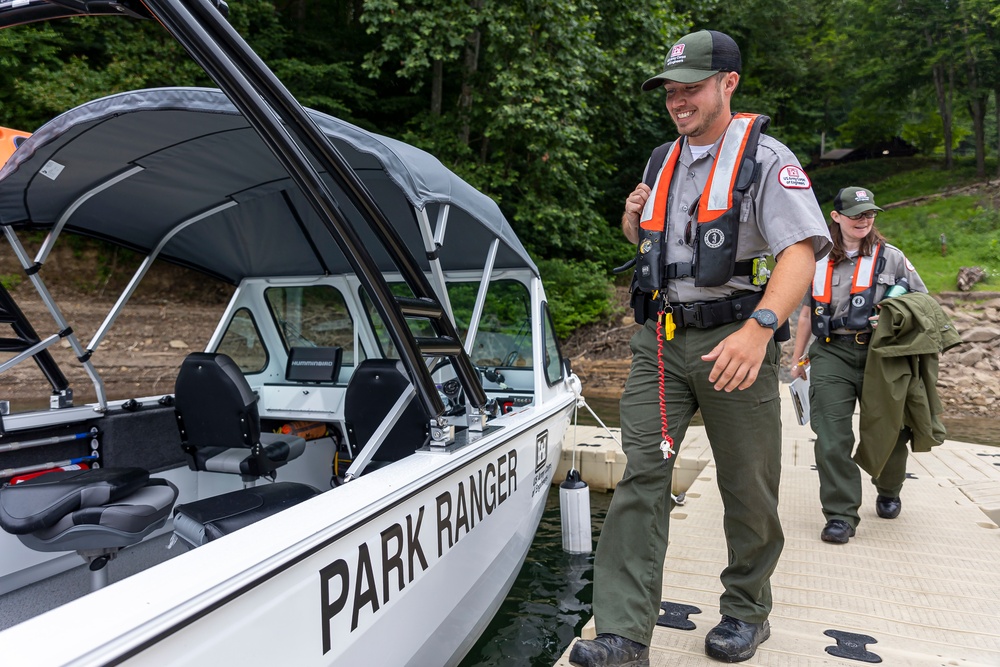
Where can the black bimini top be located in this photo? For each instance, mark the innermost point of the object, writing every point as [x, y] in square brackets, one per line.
[181, 168]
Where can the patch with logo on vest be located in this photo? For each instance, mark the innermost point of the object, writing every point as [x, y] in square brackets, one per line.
[793, 178]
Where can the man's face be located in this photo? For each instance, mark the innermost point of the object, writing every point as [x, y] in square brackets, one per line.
[701, 110]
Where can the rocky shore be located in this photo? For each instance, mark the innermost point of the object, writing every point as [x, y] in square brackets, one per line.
[968, 381]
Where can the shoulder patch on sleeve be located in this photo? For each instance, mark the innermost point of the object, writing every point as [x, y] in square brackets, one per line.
[794, 177]
[909, 267]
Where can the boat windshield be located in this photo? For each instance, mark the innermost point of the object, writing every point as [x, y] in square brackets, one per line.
[503, 338]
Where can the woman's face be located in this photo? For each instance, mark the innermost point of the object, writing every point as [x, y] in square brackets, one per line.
[855, 229]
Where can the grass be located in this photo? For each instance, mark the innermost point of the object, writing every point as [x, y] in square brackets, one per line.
[970, 223]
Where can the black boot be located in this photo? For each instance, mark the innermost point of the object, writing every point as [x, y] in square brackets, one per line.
[608, 650]
[837, 531]
[888, 508]
[734, 640]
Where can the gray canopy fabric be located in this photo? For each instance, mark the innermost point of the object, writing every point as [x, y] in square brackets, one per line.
[195, 153]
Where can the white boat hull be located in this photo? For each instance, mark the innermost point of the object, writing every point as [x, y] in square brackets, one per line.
[410, 578]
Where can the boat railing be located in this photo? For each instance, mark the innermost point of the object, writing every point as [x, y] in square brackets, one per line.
[293, 137]
[62, 394]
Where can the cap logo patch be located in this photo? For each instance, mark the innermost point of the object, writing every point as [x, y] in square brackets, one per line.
[676, 55]
[794, 178]
[861, 195]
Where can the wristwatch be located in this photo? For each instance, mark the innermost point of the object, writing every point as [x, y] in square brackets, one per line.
[766, 318]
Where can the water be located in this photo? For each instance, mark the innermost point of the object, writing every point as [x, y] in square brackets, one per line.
[550, 600]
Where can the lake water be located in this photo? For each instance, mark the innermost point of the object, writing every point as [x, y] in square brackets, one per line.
[551, 598]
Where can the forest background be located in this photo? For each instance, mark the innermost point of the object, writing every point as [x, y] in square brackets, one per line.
[537, 102]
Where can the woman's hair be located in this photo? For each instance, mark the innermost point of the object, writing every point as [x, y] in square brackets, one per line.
[867, 243]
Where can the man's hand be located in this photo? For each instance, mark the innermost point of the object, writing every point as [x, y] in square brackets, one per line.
[633, 209]
[738, 357]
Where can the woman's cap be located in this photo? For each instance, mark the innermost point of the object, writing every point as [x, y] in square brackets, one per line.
[853, 200]
[696, 57]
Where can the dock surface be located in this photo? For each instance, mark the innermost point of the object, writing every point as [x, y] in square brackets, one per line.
[921, 589]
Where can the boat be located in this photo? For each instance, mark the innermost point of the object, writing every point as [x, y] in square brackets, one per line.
[351, 469]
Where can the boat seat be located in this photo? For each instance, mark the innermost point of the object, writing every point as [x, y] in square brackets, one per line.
[371, 394]
[204, 520]
[219, 423]
[94, 512]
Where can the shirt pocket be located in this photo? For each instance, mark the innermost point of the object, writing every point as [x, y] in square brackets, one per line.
[886, 279]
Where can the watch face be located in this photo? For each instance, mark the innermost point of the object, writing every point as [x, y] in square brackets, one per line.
[766, 317]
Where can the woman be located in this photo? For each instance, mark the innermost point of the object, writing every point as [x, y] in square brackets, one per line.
[840, 311]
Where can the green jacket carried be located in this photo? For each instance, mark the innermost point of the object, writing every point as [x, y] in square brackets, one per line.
[900, 380]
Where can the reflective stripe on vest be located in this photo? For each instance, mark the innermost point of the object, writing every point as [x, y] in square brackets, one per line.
[864, 276]
[654, 212]
[717, 197]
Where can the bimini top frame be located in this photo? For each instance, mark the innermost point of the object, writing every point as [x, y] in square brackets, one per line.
[321, 188]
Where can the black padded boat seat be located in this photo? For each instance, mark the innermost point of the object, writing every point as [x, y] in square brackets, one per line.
[82, 510]
[278, 448]
[210, 518]
[220, 424]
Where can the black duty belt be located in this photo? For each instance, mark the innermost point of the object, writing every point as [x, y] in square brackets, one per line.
[860, 337]
[707, 314]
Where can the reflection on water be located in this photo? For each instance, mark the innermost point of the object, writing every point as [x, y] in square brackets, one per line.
[550, 600]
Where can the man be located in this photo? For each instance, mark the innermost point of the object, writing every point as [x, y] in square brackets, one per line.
[725, 195]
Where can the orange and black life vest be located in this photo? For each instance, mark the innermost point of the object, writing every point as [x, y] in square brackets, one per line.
[862, 295]
[720, 208]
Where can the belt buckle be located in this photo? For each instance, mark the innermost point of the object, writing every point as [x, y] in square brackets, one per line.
[692, 314]
[858, 334]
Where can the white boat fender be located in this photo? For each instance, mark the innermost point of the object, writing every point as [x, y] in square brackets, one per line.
[574, 511]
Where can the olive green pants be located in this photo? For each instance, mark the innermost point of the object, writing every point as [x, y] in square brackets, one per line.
[744, 428]
[837, 370]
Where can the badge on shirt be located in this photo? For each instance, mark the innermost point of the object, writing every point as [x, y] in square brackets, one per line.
[793, 177]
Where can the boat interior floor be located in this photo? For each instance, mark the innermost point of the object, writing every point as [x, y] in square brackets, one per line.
[19, 605]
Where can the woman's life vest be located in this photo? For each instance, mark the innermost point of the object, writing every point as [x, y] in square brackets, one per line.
[719, 209]
[862, 304]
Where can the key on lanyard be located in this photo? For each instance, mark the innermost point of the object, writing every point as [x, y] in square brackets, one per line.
[667, 320]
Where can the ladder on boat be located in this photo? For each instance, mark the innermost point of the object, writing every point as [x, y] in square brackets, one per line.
[25, 339]
[292, 136]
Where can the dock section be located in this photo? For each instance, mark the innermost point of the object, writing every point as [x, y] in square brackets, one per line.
[922, 589]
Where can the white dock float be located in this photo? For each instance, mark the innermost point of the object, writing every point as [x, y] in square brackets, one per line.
[925, 586]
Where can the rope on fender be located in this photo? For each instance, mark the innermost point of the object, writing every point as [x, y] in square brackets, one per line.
[667, 444]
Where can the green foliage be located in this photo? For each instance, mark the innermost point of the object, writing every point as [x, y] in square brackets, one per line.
[578, 293]
[925, 134]
[11, 280]
[829, 180]
[970, 223]
[869, 125]
[539, 102]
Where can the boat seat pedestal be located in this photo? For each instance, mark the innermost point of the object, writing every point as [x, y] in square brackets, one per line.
[204, 520]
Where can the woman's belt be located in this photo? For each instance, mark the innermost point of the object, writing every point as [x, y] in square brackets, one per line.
[859, 337]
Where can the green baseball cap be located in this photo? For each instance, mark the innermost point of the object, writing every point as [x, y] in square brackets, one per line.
[853, 200]
[696, 57]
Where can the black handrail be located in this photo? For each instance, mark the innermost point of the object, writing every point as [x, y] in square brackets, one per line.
[199, 26]
[251, 86]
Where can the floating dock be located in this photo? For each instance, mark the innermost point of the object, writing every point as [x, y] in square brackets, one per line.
[921, 589]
